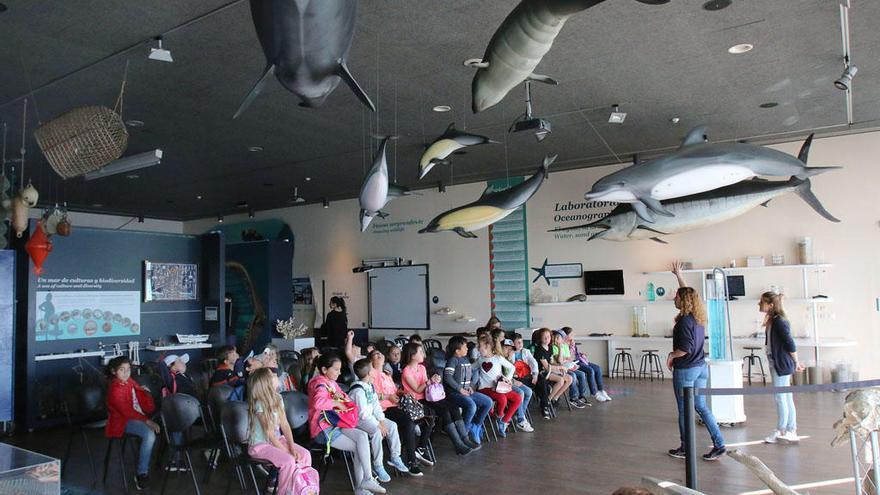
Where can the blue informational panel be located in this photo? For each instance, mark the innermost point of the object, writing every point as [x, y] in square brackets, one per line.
[7, 331]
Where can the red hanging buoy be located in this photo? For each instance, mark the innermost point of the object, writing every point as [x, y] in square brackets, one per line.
[38, 247]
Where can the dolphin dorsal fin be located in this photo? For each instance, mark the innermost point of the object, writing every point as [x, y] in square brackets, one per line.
[450, 127]
[696, 135]
[805, 149]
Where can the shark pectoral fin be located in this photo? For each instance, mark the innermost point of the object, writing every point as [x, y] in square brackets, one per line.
[599, 235]
[642, 212]
[807, 195]
[343, 72]
[656, 206]
[542, 78]
[766, 204]
[255, 91]
[657, 239]
[464, 233]
[696, 135]
[649, 229]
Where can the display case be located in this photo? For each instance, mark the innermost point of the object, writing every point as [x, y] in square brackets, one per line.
[28, 473]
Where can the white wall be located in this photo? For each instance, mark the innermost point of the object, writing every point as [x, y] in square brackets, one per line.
[328, 245]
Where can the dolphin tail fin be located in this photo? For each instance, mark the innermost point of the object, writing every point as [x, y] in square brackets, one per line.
[542, 79]
[343, 72]
[811, 171]
[255, 91]
[805, 149]
[806, 193]
[464, 233]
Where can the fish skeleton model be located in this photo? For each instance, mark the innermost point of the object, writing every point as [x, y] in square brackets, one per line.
[490, 207]
[696, 167]
[445, 145]
[306, 43]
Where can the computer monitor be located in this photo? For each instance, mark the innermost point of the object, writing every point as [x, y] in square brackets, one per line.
[736, 286]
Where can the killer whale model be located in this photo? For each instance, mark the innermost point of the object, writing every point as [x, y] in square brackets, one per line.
[445, 145]
[306, 43]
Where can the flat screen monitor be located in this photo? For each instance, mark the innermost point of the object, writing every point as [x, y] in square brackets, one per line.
[736, 286]
[603, 282]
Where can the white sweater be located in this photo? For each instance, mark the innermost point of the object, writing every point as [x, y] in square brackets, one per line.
[369, 412]
[487, 376]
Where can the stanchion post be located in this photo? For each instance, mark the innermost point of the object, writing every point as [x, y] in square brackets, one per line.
[875, 460]
[854, 448]
[690, 438]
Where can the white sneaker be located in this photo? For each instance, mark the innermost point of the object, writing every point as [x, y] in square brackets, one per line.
[371, 485]
[605, 395]
[525, 426]
[774, 437]
[790, 437]
[599, 397]
[423, 458]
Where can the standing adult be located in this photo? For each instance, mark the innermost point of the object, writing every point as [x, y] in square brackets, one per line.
[335, 325]
[688, 364]
[783, 360]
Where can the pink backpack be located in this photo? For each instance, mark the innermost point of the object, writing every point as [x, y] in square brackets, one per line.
[306, 482]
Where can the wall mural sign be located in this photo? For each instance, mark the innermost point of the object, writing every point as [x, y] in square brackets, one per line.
[87, 314]
[395, 226]
[565, 212]
[555, 271]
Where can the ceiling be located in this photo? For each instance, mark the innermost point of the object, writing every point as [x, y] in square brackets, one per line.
[657, 62]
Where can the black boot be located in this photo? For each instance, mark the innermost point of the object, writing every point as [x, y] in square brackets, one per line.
[460, 447]
[465, 438]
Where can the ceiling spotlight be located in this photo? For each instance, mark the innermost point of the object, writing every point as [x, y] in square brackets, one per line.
[527, 123]
[769, 104]
[251, 214]
[441, 187]
[845, 80]
[134, 123]
[616, 117]
[474, 63]
[296, 198]
[675, 120]
[741, 48]
[713, 5]
[219, 218]
[141, 218]
[199, 196]
[326, 203]
[160, 53]
[255, 149]
[308, 179]
[442, 108]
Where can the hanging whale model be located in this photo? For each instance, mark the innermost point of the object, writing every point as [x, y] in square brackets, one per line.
[306, 43]
[700, 210]
[697, 166]
[374, 190]
[445, 145]
[518, 46]
[490, 207]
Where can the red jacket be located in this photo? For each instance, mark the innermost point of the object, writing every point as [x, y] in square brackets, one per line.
[120, 406]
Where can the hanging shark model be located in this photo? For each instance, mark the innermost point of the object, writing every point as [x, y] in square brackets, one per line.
[445, 145]
[697, 166]
[490, 207]
[374, 190]
[518, 46]
[306, 43]
[700, 210]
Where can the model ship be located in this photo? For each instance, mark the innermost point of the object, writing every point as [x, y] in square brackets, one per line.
[192, 338]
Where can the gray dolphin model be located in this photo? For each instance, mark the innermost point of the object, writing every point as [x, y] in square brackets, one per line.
[374, 190]
[700, 210]
[518, 46]
[490, 207]
[306, 43]
[452, 139]
[697, 166]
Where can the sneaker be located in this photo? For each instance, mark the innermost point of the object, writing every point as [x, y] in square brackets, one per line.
[398, 464]
[605, 395]
[381, 474]
[422, 457]
[600, 396]
[502, 428]
[773, 437]
[475, 434]
[555, 403]
[172, 467]
[790, 437]
[371, 485]
[414, 470]
[546, 413]
[525, 426]
[578, 404]
[678, 453]
[714, 454]
[585, 401]
[140, 482]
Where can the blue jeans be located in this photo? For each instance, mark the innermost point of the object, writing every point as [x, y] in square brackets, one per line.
[148, 438]
[474, 407]
[697, 377]
[786, 416]
[526, 392]
[594, 377]
[578, 387]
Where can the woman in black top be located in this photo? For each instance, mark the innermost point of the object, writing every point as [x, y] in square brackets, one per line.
[335, 326]
[688, 365]
[783, 360]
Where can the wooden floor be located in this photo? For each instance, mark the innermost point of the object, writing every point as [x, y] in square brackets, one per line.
[593, 451]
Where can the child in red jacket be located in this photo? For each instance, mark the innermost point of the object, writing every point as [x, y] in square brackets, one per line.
[129, 407]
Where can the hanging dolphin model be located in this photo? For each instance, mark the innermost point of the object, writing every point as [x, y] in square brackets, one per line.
[697, 166]
[700, 210]
[445, 145]
[518, 46]
[374, 190]
[306, 43]
[490, 207]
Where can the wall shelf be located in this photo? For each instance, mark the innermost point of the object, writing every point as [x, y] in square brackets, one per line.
[68, 355]
[176, 347]
[747, 268]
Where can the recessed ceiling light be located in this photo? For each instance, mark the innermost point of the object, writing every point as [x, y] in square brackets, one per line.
[132, 176]
[308, 179]
[473, 62]
[741, 48]
[97, 205]
[255, 149]
[675, 120]
[713, 5]
[769, 104]
[199, 196]
[442, 108]
[134, 123]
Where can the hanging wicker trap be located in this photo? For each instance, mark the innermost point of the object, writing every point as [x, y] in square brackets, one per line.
[84, 139]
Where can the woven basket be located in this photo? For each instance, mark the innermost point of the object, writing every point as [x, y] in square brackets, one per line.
[82, 140]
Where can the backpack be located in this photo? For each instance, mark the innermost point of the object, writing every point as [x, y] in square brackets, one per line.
[413, 408]
[306, 481]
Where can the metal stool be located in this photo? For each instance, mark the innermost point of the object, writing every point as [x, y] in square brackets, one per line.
[650, 365]
[752, 357]
[623, 364]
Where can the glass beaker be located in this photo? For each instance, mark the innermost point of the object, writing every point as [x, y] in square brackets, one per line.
[639, 320]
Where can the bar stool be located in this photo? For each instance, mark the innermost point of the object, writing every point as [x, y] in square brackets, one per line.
[752, 357]
[650, 365]
[623, 364]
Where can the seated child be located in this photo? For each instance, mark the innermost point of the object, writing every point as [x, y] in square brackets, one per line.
[229, 372]
[562, 357]
[592, 370]
[307, 367]
[393, 364]
[129, 407]
[175, 377]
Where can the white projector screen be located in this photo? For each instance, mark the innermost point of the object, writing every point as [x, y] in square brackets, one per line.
[399, 297]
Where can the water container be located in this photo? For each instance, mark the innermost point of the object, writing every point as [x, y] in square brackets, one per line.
[651, 293]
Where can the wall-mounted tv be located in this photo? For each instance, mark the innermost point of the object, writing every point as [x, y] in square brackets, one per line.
[603, 282]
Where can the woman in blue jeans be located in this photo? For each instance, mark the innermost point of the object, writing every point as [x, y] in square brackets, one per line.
[688, 364]
[783, 361]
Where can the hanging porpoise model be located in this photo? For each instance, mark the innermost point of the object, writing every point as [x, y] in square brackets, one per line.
[697, 166]
[700, 210]
[374, 190]
[491, 207]
[445, 145]
[306, 43]
[518, 46]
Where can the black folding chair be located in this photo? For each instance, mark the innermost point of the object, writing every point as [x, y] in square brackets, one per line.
[179, 413]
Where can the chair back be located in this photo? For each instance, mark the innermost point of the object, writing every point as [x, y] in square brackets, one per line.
[437, 358]
[217, 397]
[180, 412]
[154, 383]
[296, 408]
[401, 341]
[432, 344]
[234, 421]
